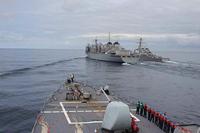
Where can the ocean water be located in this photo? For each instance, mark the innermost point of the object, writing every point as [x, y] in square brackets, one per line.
[29, 77]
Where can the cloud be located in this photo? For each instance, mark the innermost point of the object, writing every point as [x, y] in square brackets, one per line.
[128, 36]
[4, 15]
[79, 21]
[10, 37]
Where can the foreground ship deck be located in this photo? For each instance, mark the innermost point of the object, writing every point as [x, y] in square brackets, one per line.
[60, 115]
[81, 116]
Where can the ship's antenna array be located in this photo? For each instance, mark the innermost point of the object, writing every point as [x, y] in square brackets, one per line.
[95, 40]
[109, 37]
[140, 45]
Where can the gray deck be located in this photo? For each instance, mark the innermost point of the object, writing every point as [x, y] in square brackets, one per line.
[73, 116]
[146, 126]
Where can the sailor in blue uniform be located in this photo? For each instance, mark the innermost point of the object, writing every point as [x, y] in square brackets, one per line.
[138, 107]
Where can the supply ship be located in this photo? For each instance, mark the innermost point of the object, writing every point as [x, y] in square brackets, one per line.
[104, 52]
[80, 108]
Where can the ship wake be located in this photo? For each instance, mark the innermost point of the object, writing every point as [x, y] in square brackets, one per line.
[185, 69]
[26, 69]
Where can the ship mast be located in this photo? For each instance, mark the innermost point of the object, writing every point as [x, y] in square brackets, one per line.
[95, 40]
[140, 45]
[109, 37]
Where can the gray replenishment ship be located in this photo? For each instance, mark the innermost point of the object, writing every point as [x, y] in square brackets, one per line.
[139, 54]
[80, 108]
[104, 52]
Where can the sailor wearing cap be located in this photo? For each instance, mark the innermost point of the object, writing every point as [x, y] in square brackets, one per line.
[145, 110]
[138, 107]
[141, 108]
[172, 127]
[152, 115]
[149, 114]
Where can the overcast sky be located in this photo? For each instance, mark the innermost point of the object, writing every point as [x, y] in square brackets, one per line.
[74, 23]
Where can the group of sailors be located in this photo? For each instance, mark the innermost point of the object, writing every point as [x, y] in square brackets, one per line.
[159, 119]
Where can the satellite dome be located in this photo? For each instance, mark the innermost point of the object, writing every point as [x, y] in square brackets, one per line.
[109, 43]
[116, 43]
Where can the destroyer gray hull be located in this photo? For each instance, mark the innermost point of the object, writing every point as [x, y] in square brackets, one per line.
[147, 58]
[105, 57]
[135, 60]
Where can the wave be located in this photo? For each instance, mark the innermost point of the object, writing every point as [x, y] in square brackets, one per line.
[187, 69]
[189, 63]
[125, 64]
[22, 70]
[174, 62]
[4, 94]
[17, 119]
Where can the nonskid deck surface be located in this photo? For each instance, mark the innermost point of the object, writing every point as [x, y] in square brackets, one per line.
[60, 115]
[146, 126]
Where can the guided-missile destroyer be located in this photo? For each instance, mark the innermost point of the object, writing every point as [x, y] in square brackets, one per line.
[80, 108]
[139, 54]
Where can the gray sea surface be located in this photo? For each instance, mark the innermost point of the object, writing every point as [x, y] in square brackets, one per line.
[28, 77]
